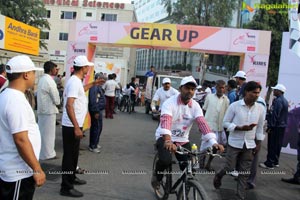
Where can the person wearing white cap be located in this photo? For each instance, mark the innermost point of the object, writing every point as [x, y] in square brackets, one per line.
[177, 116]
[20, 139]
[162, 94]
[277, 122]
[240, 78]
[74, 112]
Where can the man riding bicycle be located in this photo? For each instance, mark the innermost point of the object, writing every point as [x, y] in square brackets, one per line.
[177, 116]
[162, 94]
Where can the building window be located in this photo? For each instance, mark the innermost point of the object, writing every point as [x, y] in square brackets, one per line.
[68, 15]
[48, 15]
[89, 14]
[44, 35]
[109, 17]
[63, 36]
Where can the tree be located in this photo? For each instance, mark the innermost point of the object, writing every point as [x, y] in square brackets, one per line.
[201, 12]
[277, 22]
[31, 12]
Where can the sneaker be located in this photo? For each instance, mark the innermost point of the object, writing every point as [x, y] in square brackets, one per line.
[263, 165]
[234, 173]
[98, 146]
[154, 182]
[95, 150]
[276, 166]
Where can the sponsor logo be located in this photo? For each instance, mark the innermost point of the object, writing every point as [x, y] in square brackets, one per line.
[257, 62]
[76, 50]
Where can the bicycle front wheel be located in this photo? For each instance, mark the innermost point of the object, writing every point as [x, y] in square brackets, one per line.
[161, 193]
[192, 191]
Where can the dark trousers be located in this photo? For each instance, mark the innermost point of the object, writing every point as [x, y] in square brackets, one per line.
[70, 157]
[21, 190]
[95, 130]
[242, 159]
[109, 106]
[275, 139]
[165, 157]
[132, 98]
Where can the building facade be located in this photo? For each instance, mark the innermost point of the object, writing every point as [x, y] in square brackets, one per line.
[61, 13]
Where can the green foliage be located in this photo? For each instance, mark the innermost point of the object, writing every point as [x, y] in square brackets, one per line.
[277, 23]
[201, 12]
[31, 12]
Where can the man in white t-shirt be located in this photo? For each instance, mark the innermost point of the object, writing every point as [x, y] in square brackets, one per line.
[20, 140]
[177, 116]
[74, 112]
[162, 94]
[47, 101]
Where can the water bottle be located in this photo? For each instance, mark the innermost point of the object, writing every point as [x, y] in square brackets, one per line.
[195, 158]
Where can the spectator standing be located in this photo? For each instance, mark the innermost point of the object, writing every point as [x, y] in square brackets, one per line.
[47, 101]
[240, 77]
[96, 106]
[151, 72]
[20, 140]
[277, 122]
[110, 87]
[214, 109]
[244, 120]
[74, 112]
[231, 88]
[133, 93]
[3, 79]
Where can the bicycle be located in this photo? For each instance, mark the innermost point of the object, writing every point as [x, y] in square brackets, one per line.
[187, 183]
[126, 104]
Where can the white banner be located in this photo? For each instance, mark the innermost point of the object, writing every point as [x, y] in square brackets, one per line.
[289, 73]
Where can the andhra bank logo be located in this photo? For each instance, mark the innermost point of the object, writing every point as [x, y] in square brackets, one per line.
[270, 8]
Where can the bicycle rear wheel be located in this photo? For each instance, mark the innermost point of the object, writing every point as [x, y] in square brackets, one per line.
[162, 193]
[193, 191]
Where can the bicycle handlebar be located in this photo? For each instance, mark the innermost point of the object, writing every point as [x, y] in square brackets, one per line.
[209, 151]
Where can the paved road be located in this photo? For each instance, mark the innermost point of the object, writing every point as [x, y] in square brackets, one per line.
[123, 169]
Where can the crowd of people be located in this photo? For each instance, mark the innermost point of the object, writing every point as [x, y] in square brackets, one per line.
[230, 117]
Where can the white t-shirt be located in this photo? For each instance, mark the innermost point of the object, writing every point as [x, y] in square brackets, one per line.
[16, 115]
[110, 87]
[74, 88]
[183, 117]
[162, 95]
[127, 91]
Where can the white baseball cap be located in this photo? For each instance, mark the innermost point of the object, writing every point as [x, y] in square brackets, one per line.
[21, 63]
[166, 80]
[81, 61]
[199, 87]
[279, 87]
[240, 74]
[188, 79]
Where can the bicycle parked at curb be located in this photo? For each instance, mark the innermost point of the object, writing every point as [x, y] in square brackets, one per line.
[186, 187]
